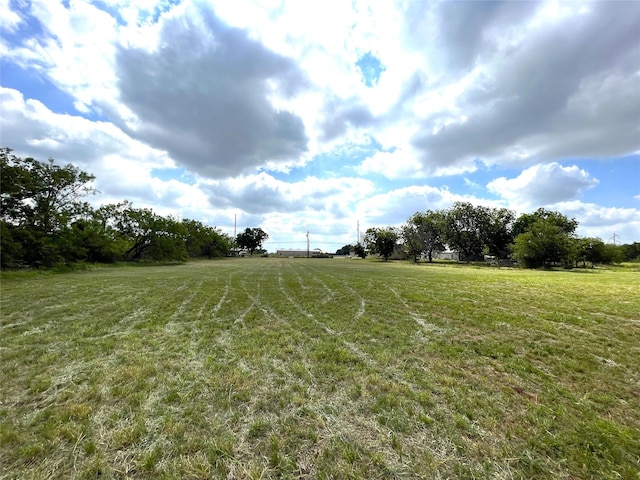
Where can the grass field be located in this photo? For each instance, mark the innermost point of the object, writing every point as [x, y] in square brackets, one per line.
[314, 368]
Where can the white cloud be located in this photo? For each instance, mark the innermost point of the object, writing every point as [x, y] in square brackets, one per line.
[397, 164]
[543, 185]
[30, 128]
[603, 222]
[546, 90]
[491, 93]
[471, 183]
[76, 51]
[395, 206]
[122, 166]
[204, 97]
[404, 163]
[262, 194]
[10, 19]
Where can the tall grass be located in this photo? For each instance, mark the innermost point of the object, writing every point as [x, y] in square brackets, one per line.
[307, 368]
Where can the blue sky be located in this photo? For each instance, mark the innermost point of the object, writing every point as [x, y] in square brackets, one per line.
[314, 116]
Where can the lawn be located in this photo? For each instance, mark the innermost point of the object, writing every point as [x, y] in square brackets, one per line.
[319, 368]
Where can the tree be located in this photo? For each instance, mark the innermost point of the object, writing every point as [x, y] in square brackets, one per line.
[546, 241]
[44, 221]
[423, 234]
[204, 241]
[345, 250]
[38, 195]
[412, 240]
[465, 229]
[251, 239]
[631, 251]
[381, 241]
[590, 250]
[614, 253]
[148, 235]
[38, 203]
[87, 240]
[498, 235]
[525, 221]
[359, 250]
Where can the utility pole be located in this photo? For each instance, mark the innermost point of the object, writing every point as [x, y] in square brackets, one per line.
[358, 233]
[614, 238]
[307, 243]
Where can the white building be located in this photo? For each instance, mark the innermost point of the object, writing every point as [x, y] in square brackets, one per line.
[297, 252]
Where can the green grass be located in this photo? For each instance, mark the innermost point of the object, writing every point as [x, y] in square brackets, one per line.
[327, 369]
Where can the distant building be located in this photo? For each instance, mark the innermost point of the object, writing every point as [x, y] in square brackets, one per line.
[237, 252]
[449, 255]
[296, 252]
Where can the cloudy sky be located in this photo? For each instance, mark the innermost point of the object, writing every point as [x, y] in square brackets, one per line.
[301, 116]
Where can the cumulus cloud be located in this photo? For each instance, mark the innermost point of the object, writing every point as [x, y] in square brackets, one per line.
[466, 27]
[10, 19]
[204, 93]
[598, 221]
[122, 166]
[396, 164]
[531, 90]
[262, 194]
[340, 114]
[73, 49]
[395, 206]
[32, 129]
[543, 184]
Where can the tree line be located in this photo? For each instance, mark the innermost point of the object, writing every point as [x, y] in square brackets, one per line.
[543, 238]
[45, 222]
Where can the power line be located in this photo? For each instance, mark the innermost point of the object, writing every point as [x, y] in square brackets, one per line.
[614, 238]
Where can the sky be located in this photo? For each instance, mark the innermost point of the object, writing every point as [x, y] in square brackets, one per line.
[322, 116]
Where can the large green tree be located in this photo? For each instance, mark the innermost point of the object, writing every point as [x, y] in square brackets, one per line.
[381, 241]
[204, 241]
[630, 251]
[41, 195]
[39, 201]
[524, 222]
[590, 250]
[149, 236]
[345, 250]
[45, 221]
[477, 230]
[547, 239]
[423, 234]
[498, 233]
[359, 250]
[465, 229]
[251, 239]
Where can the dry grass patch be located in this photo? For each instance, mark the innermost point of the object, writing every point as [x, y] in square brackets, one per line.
[304, 369]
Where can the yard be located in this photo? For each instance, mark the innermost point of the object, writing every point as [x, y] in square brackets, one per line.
[252, 368]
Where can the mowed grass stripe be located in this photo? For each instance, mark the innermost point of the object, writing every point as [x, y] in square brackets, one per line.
[307, 368]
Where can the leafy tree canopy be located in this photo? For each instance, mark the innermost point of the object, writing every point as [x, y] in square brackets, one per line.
[345, 250]
[525, 221]
[381, 241]
[465, 229]
[41, 196]
[44, 221]
[251, 239]
[359, 250]
[424, 234]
